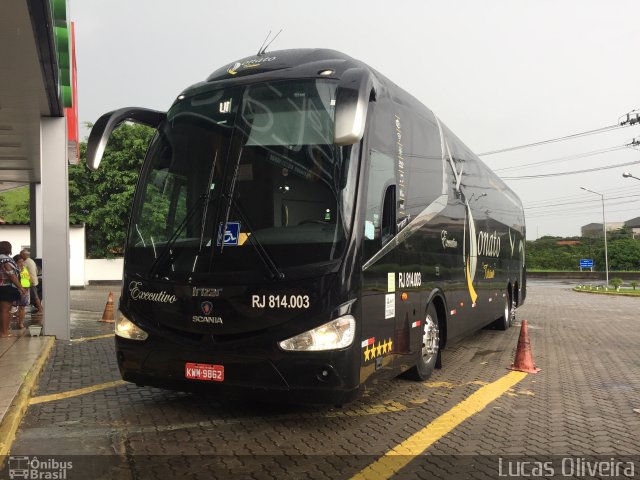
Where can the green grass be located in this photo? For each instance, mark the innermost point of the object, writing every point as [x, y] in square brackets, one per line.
[540, 270]
[625, 292]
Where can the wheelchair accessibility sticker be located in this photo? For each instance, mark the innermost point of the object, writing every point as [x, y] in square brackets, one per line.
[231, 235]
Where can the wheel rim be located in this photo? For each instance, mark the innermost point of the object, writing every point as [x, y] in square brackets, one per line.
[507, 311]
[430, 339]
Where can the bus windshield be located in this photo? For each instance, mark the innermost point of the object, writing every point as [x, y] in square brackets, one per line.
[259, 160]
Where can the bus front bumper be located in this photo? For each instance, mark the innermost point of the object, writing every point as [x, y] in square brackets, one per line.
[325, 377]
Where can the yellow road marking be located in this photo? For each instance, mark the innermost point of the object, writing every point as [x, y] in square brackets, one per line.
[75, 393]
[97, 337]
[400, 455]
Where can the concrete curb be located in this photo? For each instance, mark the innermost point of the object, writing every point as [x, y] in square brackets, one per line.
[582, 276]
[612, 292]
[11, 421]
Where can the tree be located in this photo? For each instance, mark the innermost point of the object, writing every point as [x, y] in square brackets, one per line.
[616, 283]
[14, 205]
[625, 233]
[102, 199]
[554, 253]
[624, 254]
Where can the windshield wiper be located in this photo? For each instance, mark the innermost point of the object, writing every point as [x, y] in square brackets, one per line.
[229, 197]
[206, 203]
[267, 261]
[204, 198]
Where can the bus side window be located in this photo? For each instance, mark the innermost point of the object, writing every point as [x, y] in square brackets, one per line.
[379, 221]
[388, 228]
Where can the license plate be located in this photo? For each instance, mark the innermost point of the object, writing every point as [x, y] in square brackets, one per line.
[204, 371]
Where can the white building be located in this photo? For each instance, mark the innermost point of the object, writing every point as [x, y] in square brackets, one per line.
[595, 229]
[81, 270]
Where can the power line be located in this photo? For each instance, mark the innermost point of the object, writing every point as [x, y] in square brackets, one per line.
[577, 209]
[573, 172]
[563, 159]
[559, 139]
[566, 198]
[575, 212]
[579, 201]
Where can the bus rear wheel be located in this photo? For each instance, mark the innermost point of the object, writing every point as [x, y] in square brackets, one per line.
[509, 314]
[430, 351]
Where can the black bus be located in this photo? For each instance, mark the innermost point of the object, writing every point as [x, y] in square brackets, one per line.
[301, 225]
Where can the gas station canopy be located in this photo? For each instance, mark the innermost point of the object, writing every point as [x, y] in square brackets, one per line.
[38, 135]
[35, 82]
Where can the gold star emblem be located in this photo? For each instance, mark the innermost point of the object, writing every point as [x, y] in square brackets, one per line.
[366, 353]
[384, 347]
[390, 346]
[378, 350]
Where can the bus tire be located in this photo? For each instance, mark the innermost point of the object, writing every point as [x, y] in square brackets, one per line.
[509, 314]
[429, 355]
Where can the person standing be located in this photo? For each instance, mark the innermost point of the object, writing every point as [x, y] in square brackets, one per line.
[25, 281]
[33, 273]
[10, 288]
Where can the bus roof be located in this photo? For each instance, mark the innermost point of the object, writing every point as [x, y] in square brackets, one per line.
[303, 62]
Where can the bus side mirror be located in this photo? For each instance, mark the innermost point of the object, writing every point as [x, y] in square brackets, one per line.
[108, 122]
[352, 102]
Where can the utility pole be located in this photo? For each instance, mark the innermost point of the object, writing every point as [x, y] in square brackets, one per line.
[604, 229]
[630, 118]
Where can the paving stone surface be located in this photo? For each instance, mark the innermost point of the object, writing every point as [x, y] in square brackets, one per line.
[581, 404]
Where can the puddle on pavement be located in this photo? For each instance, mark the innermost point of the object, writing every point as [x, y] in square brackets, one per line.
[484, 353]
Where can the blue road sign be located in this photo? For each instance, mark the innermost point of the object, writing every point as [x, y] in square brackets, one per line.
[586, 263]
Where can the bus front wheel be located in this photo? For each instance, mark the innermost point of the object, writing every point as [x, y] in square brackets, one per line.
[430, 351]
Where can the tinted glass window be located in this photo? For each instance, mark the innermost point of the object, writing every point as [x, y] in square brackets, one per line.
[259, 159]
[381, 176]
[290, 114]
[424, 166]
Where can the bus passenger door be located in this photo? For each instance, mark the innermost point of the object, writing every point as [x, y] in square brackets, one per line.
[380, 265]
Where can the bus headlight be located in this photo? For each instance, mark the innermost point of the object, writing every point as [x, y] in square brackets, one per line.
[125, 328]
[338, 333]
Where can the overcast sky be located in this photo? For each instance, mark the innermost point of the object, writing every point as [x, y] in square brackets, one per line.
[499, 73]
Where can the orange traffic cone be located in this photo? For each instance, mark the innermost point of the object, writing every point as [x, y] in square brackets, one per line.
[524, 358]
[107, 316]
